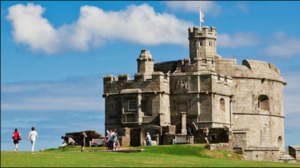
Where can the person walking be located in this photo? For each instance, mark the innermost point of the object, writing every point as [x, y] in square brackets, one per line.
[116, 142]
[83, 141]
[206, 131]
[148, 139]
[32, 136]
[106, 140]
[16, 136]
[111, 140]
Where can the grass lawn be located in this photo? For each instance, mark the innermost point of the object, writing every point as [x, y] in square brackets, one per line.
[153, 156]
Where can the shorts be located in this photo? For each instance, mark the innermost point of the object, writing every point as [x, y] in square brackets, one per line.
[16, 141]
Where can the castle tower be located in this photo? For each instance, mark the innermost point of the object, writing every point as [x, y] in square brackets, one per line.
[145, 63]
[202, 44]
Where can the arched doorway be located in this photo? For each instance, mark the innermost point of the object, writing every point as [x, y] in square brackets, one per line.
[154, 131]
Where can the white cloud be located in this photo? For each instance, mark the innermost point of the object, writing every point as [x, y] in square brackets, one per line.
[284, 46]
[32, 29]
[137, 24]
[208, 7]
[78, 95]
[239, 39]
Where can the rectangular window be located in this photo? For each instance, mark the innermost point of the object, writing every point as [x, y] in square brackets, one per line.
[132, 104]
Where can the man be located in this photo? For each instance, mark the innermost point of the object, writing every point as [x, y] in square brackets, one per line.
[148, 139]
[83, 141]
[111, 135]
[32, 136]
[206, 131]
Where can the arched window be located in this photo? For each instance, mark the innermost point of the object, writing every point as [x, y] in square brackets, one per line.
[222, 104]
[279, 141]
[263, 102]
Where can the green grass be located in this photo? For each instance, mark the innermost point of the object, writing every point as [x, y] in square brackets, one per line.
[153, 156]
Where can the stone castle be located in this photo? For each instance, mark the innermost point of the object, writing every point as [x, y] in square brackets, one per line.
[241, 104]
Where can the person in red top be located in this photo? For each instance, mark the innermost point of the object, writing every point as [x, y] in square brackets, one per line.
[16, 136]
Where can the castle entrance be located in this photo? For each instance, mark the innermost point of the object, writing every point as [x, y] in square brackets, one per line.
[182, 110]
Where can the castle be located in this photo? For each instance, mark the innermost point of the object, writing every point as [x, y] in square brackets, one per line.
[241, 104]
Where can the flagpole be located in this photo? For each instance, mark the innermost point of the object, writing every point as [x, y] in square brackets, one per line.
[200, 16]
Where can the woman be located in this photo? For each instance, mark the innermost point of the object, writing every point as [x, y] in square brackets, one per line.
[16, 136]
[116, 142]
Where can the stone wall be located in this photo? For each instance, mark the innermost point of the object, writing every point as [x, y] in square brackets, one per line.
[240, 139]
[262, 154]
[215, 135]
[126, 137]
[166, 67]
[219, 146]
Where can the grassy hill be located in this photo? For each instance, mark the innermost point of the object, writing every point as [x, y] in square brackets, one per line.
[153, 156]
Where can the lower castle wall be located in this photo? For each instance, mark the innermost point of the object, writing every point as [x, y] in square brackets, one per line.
[267, 130]
[261, 155]
[219, 146]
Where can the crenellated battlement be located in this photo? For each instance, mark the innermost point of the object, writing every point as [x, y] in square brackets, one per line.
[112, 79]
[121, 78]
[205, 31]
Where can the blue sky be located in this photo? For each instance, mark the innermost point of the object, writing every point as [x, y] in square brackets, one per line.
[54, 55]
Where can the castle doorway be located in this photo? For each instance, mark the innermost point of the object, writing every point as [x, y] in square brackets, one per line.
[182, 111]
[135, 137]
[155, 133]
[191, 128]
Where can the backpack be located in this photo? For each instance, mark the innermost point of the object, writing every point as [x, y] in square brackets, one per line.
[16, 136]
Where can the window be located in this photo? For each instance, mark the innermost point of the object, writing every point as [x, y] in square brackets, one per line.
[279, 141]
[132, 104]
[146, 106]
[222, 104]
[263, 102]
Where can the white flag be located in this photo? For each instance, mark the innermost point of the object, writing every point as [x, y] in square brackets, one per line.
[201, 16]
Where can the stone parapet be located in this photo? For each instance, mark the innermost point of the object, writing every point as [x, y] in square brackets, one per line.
[219, 146]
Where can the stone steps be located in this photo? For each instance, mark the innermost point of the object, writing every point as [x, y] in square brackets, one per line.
[283, 157]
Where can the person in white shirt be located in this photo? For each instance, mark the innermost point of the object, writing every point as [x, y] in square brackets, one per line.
[32, 136]
[148, 139]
